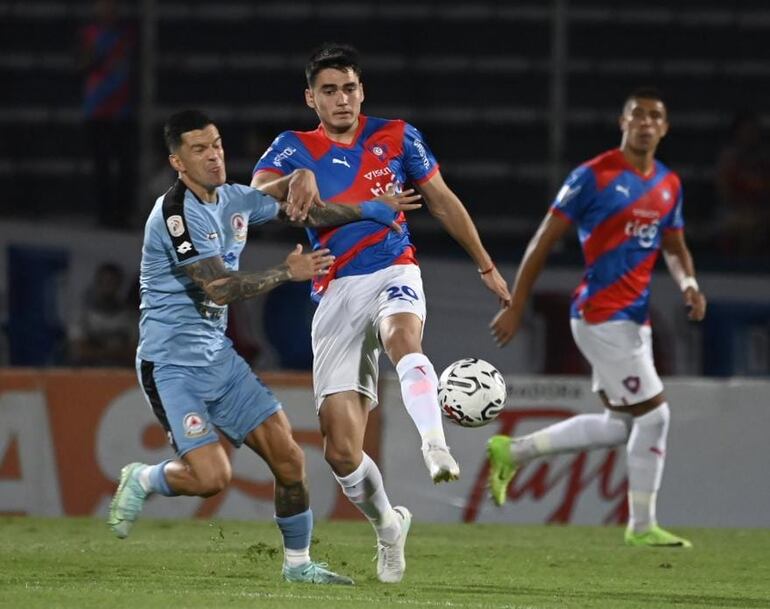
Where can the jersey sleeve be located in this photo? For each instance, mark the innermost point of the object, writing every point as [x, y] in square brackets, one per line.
[419, 162]
[675, 218]
[575, 194]
[189, 236]
[261, 207]
[278, 157]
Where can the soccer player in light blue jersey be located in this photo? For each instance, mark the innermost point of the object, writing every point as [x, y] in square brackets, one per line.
[189, 372]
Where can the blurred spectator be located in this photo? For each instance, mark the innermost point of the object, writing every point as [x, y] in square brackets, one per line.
[743, 185]
[106, 332]
[107, 57]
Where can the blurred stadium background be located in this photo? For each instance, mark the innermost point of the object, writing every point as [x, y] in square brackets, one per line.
[510, 96]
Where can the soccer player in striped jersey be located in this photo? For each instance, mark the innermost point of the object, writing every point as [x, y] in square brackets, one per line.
[627, 207]
[190, 374]
[372, 298]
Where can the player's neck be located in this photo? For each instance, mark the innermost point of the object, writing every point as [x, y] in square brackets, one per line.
[205, 195]
[643, 162]
[342, 137]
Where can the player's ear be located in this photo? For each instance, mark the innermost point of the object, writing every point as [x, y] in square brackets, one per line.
[363, 93]
[309, 99]
[176, 162]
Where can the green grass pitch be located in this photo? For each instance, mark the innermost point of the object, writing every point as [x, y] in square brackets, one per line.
[76, 563]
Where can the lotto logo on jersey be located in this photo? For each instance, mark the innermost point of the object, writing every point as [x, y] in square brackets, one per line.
[645, 232]
[184, 247]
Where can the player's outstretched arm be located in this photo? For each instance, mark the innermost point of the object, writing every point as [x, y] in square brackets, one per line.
[508, 319]
[384, 210]
[299, 189]
[223, 286]
[449, 210]
[680, 264]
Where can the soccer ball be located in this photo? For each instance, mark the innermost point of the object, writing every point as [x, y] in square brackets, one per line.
[471, 392]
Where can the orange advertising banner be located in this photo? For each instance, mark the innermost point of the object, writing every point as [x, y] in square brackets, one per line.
[65, 433]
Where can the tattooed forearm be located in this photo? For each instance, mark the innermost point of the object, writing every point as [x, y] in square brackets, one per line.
[291, 499]
[331, 215]
[239, 286]
[223, 286]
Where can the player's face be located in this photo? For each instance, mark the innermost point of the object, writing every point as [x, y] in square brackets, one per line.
[201, 158]
[336, 97]
[644, 124]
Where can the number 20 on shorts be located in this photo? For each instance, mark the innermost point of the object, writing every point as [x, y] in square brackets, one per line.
[404, 292]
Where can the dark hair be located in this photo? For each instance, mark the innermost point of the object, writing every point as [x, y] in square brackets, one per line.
[646, 93]
[332, 55]
[182, 122]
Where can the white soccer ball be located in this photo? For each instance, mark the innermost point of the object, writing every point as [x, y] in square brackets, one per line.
[471, 392]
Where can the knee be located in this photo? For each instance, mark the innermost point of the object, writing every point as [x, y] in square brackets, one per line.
[289, 466]
[342, 457]
[212, 482]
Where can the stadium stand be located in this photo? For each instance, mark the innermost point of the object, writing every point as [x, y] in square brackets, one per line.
[475, 79]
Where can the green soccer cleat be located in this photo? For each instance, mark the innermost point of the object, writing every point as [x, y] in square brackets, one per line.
[655, 537]
[314, 573]
[502, 467]
[128, 500]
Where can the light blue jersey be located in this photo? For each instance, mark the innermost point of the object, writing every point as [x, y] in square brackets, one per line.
[179, 324]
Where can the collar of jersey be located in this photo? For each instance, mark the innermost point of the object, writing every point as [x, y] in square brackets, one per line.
[359, 130]
[622, 158]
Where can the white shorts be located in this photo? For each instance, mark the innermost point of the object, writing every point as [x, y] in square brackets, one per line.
[346, 342]
[620, 353]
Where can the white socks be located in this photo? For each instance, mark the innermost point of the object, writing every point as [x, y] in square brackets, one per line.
[576, 433]
[645, 447]
[419, 390]
[365, 489]
[646, 457]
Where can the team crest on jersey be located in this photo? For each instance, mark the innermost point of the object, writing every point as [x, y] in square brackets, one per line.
[379, 150]
[240, 227]
[194, 425]
[175, 226]
[632, 383]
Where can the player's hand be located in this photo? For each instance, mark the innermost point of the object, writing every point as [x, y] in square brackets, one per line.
[306, 266]
[303, 194]
[385, 208]
[505, 324]
[495, 282]
[695, 303]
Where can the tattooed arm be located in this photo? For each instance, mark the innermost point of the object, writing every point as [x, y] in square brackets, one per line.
[383, 210]
[223, 286]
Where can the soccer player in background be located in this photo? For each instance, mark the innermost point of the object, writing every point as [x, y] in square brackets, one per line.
[627, 207]
[372, 297]
[189, 372]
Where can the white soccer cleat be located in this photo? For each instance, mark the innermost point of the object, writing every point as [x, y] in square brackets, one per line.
[440, 464]
[391, 562]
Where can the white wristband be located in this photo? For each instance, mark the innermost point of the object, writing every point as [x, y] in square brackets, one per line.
[688, 282]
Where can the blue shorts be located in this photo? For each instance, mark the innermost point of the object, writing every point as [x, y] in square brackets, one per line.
[192, 402]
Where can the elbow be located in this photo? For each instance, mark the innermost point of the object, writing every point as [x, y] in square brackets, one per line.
[220, 300]
[218, 294]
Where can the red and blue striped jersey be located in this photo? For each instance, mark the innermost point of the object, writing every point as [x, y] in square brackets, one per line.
[383, 152]
[109, 86]
[620, 216]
